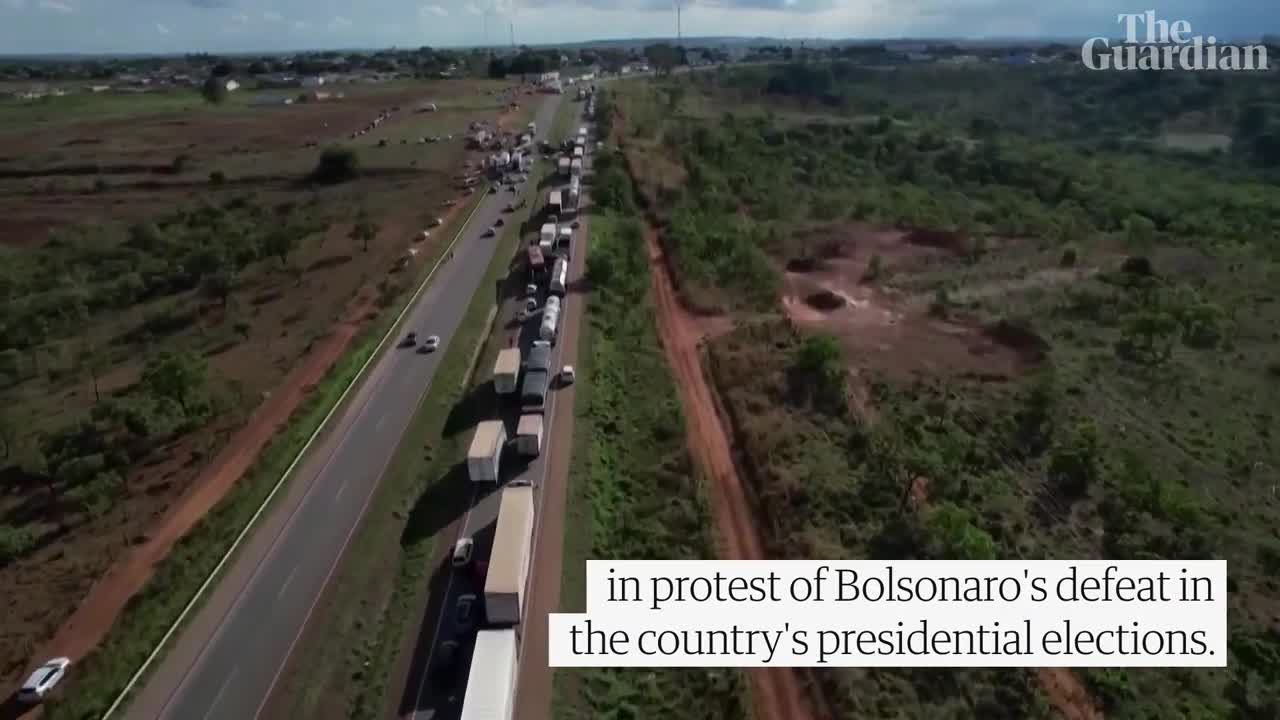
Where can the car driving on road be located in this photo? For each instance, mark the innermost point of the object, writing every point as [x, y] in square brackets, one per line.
[462, 552]
[464, 616]
[43, 680]
[430, 344]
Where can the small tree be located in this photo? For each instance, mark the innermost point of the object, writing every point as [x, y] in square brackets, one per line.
[1069, 256]
[214, 90]
[337, 164]
[281, 242]
[177, 376]
[1075, 464]
[875, 267]
[218, 285]
[364, 229]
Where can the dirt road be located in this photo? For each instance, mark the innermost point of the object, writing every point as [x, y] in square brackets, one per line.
[776, 693]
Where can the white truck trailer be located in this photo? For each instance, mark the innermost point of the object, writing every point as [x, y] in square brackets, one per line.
[555, 202]
[547, 239]
[486, 451]
[564, 166]
[529, 435]
[506, 370]
[575, 169]
[491, 682]
[559, 277]
[509, 562]
[550, 322]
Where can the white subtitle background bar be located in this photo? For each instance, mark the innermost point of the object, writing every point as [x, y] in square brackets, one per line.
[1044, 613]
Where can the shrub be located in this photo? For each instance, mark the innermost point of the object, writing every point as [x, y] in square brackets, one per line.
[217, 177]
[337, 164]
[941, 305]
[1138, 265]
[1069, 256]
[14, 543]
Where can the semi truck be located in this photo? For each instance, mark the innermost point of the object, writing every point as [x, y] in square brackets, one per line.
[575, 169]
[529, 435]
[555, 202]
[550, 323]
[485, 453]
[491, 682]
[506, 370]
[509, 562]
[579, 151]
[559, 276]
[533, 392]
[564, 242]
[537, 264]
[547, 239]
[564, 166]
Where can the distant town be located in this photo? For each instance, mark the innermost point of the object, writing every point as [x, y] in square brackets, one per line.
[27, 79]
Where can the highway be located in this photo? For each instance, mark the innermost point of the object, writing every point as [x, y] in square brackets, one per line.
[226, 661]
[421, 700]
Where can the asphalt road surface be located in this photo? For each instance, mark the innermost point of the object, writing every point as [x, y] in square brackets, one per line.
[226, 661]
[423, 699]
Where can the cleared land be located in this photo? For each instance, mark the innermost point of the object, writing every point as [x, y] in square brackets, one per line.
[176, 288]
[943, 331]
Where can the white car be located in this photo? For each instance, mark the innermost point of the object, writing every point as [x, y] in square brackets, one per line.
[490, 232]
[431, 344]
[462, 552]
[437, 222]
[43, 680]
[567, 376]
[530, 289]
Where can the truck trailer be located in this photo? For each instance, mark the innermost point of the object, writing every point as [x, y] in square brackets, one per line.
[506, 370]
[529, 435]
[537, 264]
[550, 323]
[559, 277]
[491, 682]
[555, 202]
[486, 451]
[509, 562]
[575, 169]
[564, 166]
[533, 392]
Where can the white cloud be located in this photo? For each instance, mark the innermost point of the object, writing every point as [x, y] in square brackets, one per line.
[56, 6]
[240, 19]
[15, 4]
[426, 12]
[339, 23]
[162, 29]
[473, 9]
[301, 25]
[272, 16]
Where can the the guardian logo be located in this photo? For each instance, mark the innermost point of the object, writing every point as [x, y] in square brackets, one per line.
[1168, 45]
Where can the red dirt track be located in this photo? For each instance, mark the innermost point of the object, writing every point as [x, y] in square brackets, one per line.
[776, 693]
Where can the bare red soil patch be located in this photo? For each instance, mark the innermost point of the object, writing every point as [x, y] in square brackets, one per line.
[777, 693]
[832, 291]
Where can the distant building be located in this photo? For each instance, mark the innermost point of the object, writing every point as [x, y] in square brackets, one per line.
[1019, 59]
[279, 80]
[549, 77]
[261, 100]
[314, 81]
[231, 85]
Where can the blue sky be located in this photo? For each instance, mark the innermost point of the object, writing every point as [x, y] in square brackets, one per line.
[32, 26]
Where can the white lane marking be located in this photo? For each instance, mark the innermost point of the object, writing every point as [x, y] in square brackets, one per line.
[341, 489]
[285, 586]
[382, 420]
[225, 684]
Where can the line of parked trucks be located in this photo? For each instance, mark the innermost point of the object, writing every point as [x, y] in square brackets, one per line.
[525, 379]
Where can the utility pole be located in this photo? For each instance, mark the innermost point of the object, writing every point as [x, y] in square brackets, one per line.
[679, 29]
[513, 37]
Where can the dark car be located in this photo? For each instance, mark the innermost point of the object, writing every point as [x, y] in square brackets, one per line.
[465, 613]
[448, 662]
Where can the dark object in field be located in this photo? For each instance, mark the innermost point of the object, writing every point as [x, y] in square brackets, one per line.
[1019, 337]
[944, 239]
[825, 300]
[1137, 265]
[803, 264]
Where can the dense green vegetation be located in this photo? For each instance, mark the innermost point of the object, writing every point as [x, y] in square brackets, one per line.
[632, 493]
[56, 294]
[1147, 429]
